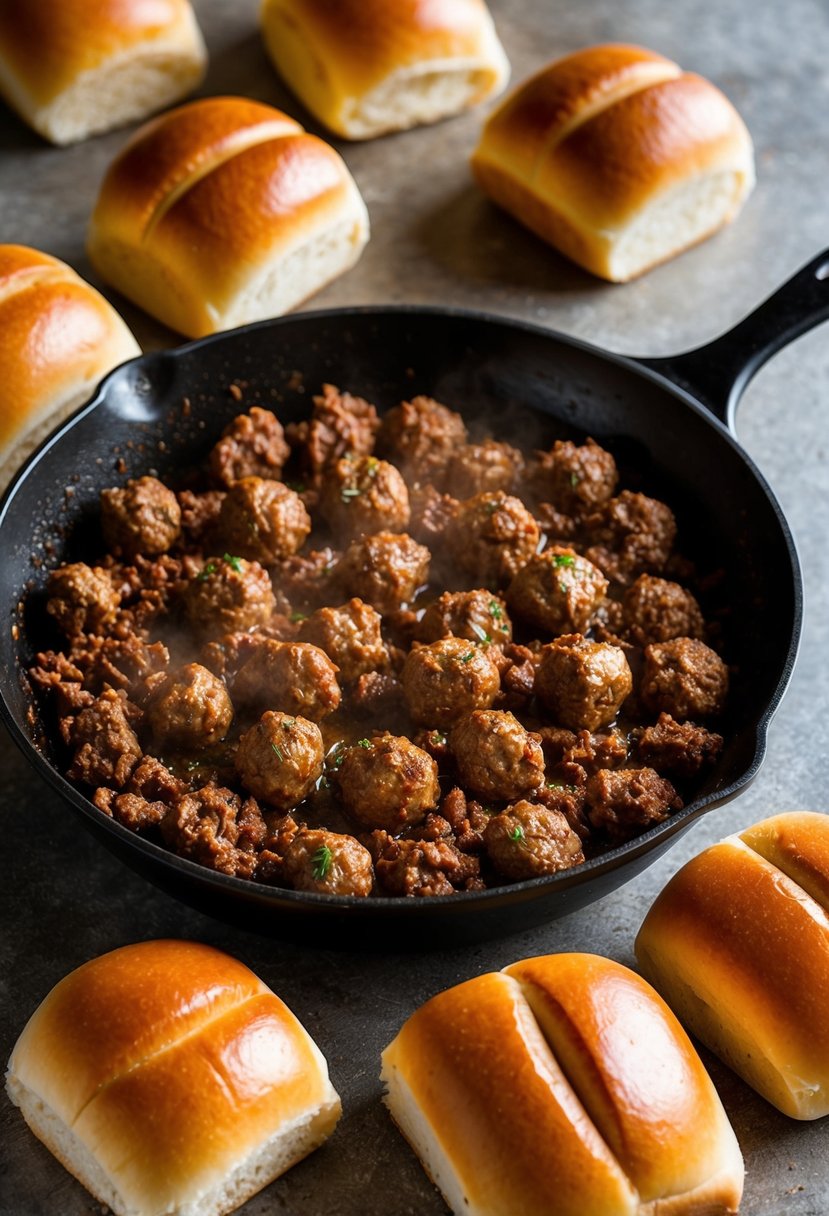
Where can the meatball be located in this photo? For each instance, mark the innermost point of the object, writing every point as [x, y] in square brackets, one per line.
[82, 598]
[448, 679]
[430, 514]
[491, 536]
[350, 636]
[631, 534]
[626, 801]
[364, 495]
[656, 610]
[557, 591]
[421, 436]
[292, 676]
[280, 759]
[106, 746]
[582, 683]
[496, 757]
[141, 517]
[228, 595]
[339, 425]
[252, 445]
[329, 863]
[388, 782]
[574, 478]
[684, 678]
[528, 841]
[189, 709]
[478, 616]
[263, 520]
[385, 569]
[479, 467]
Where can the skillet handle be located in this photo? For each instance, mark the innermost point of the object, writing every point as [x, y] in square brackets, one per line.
[717, 374]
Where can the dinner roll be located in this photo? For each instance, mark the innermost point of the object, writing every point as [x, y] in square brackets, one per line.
[225, 211]
[738, 944]
[170, 1080]
[73, 68]
[562, 1083]
[618, 158]
[58, 338]
[365, 67]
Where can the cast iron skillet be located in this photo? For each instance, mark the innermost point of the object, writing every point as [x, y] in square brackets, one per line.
[672, 416]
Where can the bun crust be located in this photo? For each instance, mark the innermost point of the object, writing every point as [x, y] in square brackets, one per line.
[728, 943]
[158, 1074]
[58, 338]
[564, 1076]
[365, 67]
[225, 211]
[73, 68]
[618, 158]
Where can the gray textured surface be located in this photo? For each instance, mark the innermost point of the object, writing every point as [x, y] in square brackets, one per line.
[435, 239]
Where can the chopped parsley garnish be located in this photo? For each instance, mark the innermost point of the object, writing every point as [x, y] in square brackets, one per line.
[288, 723]
[466, 658]
[206, 571]
[480, 633]
[321, 862]
[562, 586]
[563, 559]
[235, 563]
[298, 616]
[349, 492]
[491, 507]
[495, 610]
[517, 833]
[364, 743]
[278, 752]
[574, 480]
[339, 755]
[437, 739]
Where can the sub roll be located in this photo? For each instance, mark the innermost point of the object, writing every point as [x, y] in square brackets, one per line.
[618, 158]
[738, 944]
[170, 1080]
[561, 1084]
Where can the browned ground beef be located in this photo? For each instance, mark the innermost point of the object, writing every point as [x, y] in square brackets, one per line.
[432, 668]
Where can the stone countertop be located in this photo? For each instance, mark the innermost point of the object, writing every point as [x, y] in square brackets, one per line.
[435, 239]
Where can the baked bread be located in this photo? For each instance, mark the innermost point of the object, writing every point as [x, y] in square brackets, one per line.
[58, 338]
[170, 1080]
[365, 67]
[565, 1084]
[738, 944]
[225, 211]
[618, 158]
[73, 68]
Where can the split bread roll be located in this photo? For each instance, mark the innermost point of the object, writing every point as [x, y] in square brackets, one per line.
[561, 1084]
[738, 944]
[74, 68]
[618, 158]
[58, 338]
[365, 67]
[170, 1080]
[225, 211]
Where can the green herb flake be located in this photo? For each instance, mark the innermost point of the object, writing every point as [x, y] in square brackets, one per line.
[437, 739]
[349, 492]
[517, 834]
[555, 785]
[491, 507]
[562, 586]
[372, 465]
[339, 756]
[235, 563]
[296, 617]
[574, 480]
[321, 862]
[365, 743]
[277, 752]
[206, 571]
[480, 633]
[467, 658]
[563, 559]
[495, 610]
[288, 723]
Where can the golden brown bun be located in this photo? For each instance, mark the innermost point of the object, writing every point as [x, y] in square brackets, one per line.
[58, 338]
[73, 68]
[738, 944]
[364, 67]
[561, 1083]
[168, 1078]
[618, 158]
[225, 211]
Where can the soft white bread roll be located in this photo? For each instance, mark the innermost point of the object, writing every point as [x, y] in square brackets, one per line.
[365, 67]
[170, 1080]
[618, 158]
[561, 1084]
[73, 68]
[225, 211]
[738, 944]
[58, 338]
